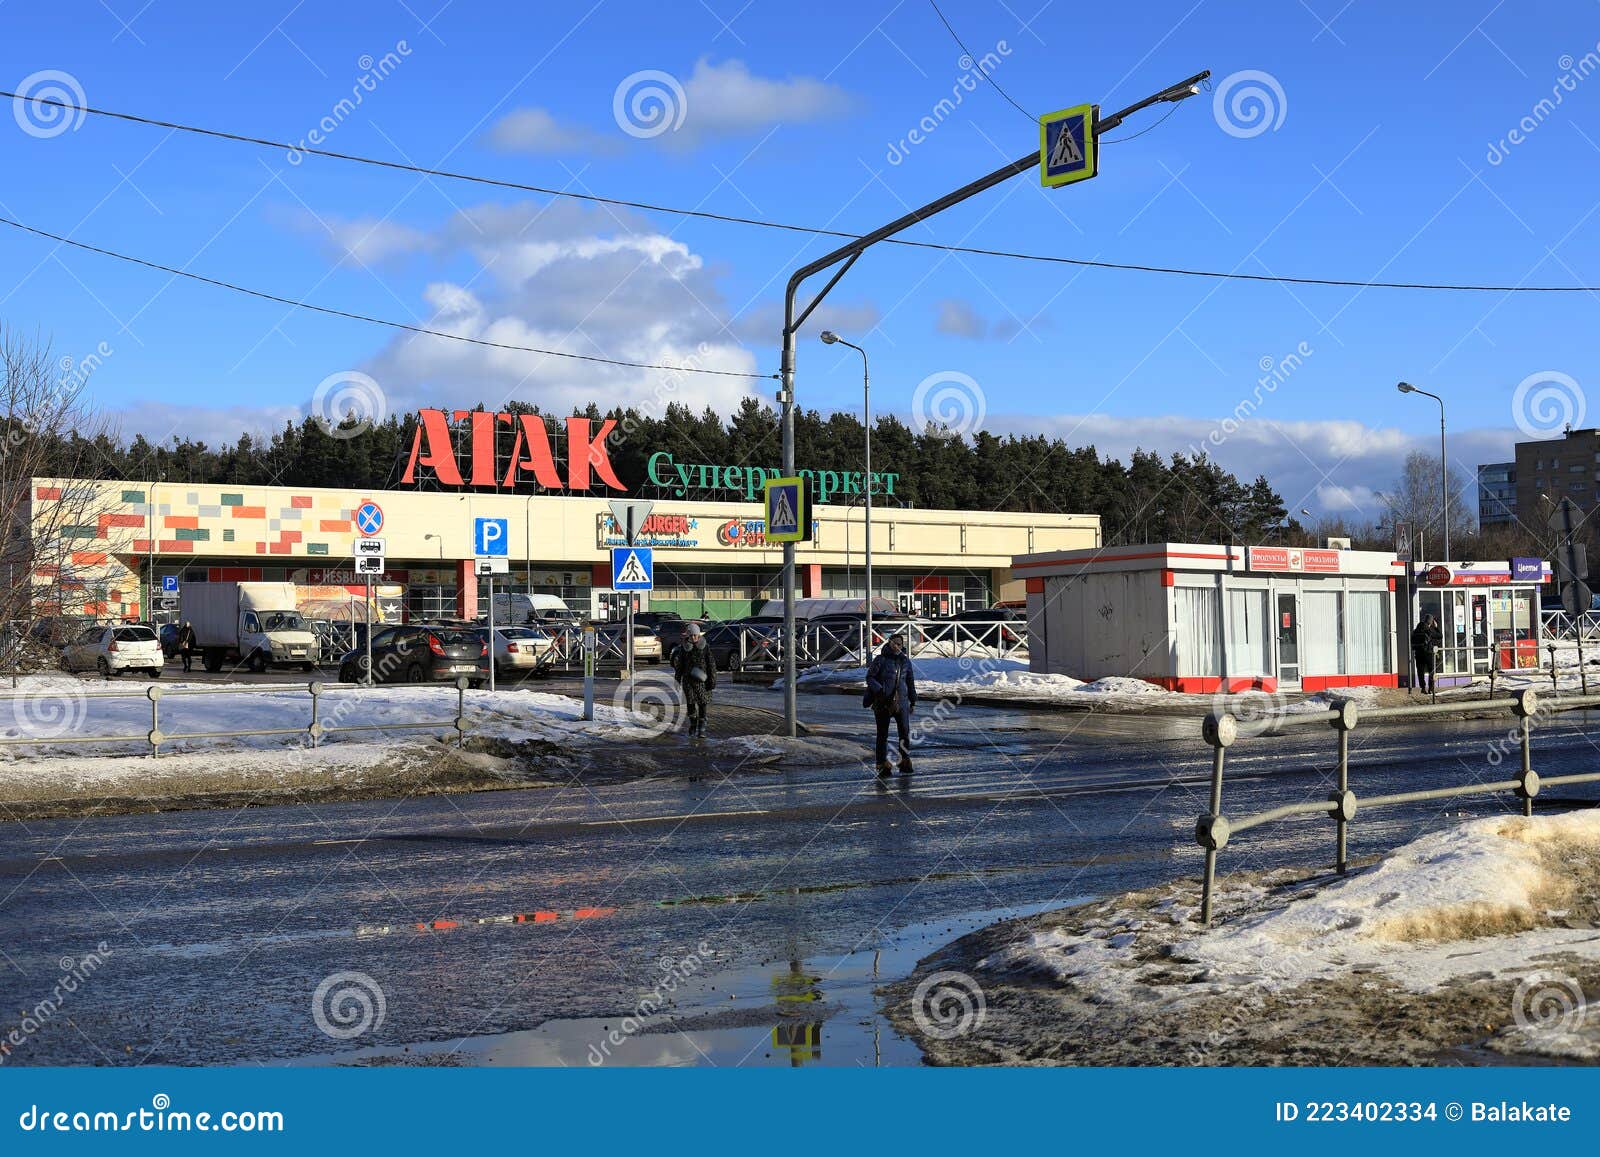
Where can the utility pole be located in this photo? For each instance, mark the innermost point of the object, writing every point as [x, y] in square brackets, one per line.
[845, 256]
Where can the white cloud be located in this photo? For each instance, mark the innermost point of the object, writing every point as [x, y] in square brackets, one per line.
[1333, 466]
[535, 130]
[959, 319]
[728, 99]
[213, 425]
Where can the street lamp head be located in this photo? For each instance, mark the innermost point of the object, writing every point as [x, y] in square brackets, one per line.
[828, 337]
[1404, 387]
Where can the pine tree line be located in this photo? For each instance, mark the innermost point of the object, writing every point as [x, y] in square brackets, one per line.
[1147, 499]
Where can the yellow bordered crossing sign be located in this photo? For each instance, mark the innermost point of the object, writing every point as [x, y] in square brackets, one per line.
[788, 513]
[1067, 151]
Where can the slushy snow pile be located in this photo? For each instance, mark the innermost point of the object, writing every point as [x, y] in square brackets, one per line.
[52, 707]
[978, 677]
[1505, 898]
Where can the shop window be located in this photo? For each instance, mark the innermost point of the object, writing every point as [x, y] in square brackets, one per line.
[1249, 636]
[1368, 622]
[1199, 630]
[1322, 633]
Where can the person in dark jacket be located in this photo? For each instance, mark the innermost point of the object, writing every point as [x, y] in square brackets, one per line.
[695, 669]
[1425, 642]
[186, 645]
[892, 695]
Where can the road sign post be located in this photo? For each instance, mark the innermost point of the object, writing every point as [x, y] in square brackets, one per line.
[844, 257]
[368, 679]
[1572, 568]
[588, 671]
[1068, 150]
[632, 569]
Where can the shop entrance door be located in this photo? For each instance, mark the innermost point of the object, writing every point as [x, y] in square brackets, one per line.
[1481, 656]
[1288, 639]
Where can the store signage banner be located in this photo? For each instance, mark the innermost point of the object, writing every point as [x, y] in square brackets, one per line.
[1294, 559]
[1527, 570]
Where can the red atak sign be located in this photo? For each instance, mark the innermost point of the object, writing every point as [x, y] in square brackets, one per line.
[434, 447]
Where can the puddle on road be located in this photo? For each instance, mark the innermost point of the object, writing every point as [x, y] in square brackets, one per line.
[787, 1013]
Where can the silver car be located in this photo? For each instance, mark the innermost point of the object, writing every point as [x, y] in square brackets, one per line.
[115, 648]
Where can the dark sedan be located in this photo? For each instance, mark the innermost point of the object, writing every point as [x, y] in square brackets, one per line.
[420, 653]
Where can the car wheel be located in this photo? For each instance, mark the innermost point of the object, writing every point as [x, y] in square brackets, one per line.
[347, 674]
[735, 664]
[308, 666]
[212, 661]
[258, 662]
[103, 667]
[414, 673]
[154, 672]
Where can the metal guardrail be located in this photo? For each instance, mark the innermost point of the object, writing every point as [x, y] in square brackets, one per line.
[314, 731]
[759, 646]
[1565, 627]
[1213, 830]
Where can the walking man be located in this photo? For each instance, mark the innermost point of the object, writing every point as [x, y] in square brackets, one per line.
[186, 645]
[695, 669]
[1425, 642]
[892, 695]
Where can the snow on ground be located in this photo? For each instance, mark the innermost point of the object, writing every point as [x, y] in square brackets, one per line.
[53, 707]
[805, 750]
[1504, 900]
[1324, 700]
[974, 677]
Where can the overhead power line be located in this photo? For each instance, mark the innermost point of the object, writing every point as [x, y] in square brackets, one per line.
[981, 71]
[733, 219]
[323, 309]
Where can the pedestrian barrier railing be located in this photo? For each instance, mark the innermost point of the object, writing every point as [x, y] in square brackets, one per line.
[1565, 627]
[1214, 829]
[44, 718]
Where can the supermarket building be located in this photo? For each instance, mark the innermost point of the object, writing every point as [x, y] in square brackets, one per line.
[97, 544]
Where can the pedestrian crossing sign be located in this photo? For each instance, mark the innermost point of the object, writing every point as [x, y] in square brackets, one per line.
[1067, 151]
[632, 568]
[788, 509]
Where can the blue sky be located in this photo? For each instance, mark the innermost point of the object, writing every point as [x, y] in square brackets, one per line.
[1374, 161]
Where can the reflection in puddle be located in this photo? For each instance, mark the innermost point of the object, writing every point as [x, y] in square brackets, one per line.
[792, 1012]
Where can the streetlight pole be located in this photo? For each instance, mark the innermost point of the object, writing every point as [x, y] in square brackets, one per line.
[845, 256]
[1444, 463]
[831, 338]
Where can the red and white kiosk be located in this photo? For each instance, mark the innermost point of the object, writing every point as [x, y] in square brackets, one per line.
[1488, 614]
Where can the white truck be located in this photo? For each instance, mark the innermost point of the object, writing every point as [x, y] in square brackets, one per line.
[253, 623]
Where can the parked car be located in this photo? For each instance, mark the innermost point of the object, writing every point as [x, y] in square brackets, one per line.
[114, 648]
[653, 619]
[670, 631]
[169, 640]
[420, 653]
[646, 647]
[837, 636]
[762, 638]
[519, 650]
[985, 626]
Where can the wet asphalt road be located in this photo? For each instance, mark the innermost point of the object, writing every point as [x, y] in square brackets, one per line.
[776, 884]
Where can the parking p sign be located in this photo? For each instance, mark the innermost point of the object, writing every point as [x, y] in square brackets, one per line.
[490, 538]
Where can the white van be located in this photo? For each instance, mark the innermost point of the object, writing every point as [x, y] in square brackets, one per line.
[513, 609]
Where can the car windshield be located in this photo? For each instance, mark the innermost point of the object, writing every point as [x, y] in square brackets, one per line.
[455, 636]
[282, 621]
[516, 633]
[135, 635]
